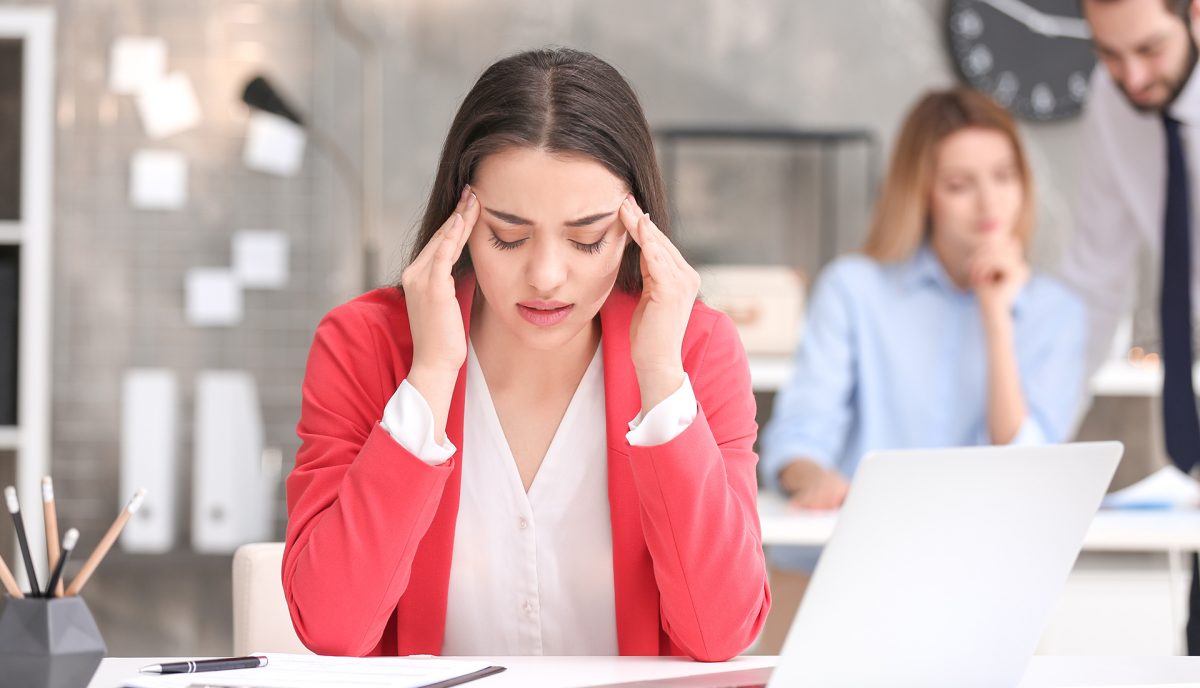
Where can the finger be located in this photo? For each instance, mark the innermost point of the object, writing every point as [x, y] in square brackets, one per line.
[982, 266]
[801, 500]
[431, 247]
[470, 217]
[461, 205]
[646, 227]
[658, 263]
[444, 255]
[630, 218]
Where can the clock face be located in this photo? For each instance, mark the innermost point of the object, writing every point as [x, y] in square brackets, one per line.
[1033, 56]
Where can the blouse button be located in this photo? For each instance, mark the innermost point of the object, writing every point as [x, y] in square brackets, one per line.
[522, 523]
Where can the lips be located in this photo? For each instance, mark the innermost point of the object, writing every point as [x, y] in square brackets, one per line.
[544, 313]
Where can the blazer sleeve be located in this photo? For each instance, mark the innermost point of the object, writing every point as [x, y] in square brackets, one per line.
[699, 510]
[358, 503]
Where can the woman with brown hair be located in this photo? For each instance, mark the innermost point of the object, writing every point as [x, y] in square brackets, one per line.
[937, 334]
[540, 442]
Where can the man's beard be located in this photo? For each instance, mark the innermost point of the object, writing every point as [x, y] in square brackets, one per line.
[1175, 88]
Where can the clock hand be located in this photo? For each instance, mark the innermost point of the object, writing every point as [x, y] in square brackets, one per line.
[1031, 18]
[1066, 27]
[1038, 22]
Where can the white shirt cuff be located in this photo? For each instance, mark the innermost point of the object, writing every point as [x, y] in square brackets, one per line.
[1029, 434]
[409, 420]
[667, 420]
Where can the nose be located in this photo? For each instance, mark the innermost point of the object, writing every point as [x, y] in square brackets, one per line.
[547, 267]
[1136, 75]
[987, 199]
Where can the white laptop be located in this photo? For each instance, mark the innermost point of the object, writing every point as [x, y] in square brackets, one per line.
[942, 570]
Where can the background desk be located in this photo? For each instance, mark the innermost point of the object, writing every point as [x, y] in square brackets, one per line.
[769, 372]
[1127, 594]
[578, 672]
[1111, 531]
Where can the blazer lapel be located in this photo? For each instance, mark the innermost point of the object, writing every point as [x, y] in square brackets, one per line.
[421, 614]
[636, 592]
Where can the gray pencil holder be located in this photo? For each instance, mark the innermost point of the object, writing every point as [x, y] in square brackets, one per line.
[48, 643]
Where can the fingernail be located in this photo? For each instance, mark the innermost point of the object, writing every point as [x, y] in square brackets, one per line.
[458, 220]
[466, 189]
[470, 201]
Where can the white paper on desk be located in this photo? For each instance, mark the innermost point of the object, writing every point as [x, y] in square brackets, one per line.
[311, 671]
[1167, 487]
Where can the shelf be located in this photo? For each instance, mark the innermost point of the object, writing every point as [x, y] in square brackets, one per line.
[9, 437]
[1114, 379]
[769, 372]
[10, 233]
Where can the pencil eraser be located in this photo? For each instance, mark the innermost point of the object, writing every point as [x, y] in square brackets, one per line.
[10, 499]
[135, 502]
[70, 539]
[47, 489]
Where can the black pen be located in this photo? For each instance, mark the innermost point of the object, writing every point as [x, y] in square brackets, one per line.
[193, 666]
[14, 508]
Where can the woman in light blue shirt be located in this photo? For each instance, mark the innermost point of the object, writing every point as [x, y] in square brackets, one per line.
[937, 334]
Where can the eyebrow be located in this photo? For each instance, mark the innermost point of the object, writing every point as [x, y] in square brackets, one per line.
[1150, 43]
[518, 220]
[1147, 44]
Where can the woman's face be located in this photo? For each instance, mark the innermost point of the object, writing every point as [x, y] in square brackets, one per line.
[977, 192]
[548, 244]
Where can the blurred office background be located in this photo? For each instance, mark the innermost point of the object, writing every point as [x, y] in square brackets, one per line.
[830, 79]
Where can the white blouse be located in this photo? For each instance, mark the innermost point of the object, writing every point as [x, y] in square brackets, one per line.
[531, 573]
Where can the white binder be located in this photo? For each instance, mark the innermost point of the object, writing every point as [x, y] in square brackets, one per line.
[149, 456]
[232, 495]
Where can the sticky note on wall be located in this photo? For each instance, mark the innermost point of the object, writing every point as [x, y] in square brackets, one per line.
[168, 106]
[158, 180]
[214, 297]
[260, 259]
[135, 62]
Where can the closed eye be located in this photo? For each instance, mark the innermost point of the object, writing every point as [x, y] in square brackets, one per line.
[506, 245]
[594, 247]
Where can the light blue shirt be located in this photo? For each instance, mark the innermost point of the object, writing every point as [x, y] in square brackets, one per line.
[893, 356]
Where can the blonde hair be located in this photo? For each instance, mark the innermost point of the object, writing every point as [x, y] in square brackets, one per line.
[901, 219]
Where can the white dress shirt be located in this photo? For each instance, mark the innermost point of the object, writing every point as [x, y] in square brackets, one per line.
[1122, 201]
[531, 573]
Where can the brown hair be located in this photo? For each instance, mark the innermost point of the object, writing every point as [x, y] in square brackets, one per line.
[557, 100]
[901, 219]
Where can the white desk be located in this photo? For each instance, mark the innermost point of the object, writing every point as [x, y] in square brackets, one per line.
[579, 672]
[1111, 531]
[561, 672]
[1114, 379]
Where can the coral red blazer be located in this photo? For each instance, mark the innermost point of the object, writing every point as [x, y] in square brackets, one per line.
[371, 527]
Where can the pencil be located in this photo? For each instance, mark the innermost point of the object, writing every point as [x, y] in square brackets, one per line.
[68, 544]
[14, 508]
[10, 583]
[106, 543]
[50, 514]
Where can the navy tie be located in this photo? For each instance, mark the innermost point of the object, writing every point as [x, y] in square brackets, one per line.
[1182, 427]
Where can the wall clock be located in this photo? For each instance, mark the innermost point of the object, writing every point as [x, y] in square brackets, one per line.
[1035, 57]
